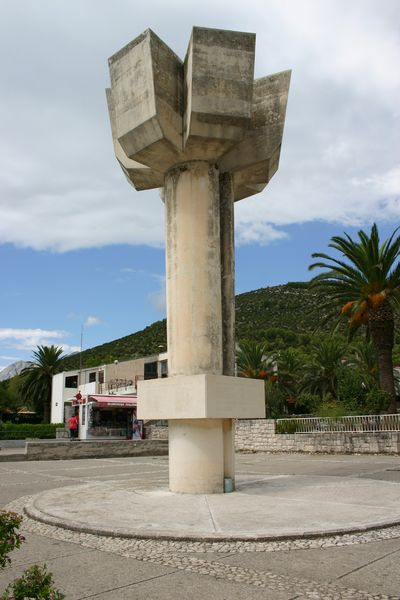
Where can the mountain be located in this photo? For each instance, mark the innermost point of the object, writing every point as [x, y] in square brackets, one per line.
[13, 369]
[280, 315]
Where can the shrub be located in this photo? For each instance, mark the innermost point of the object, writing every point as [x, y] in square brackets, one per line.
[274, 401]
[331, 408]
[17, 431]
[36, 583]
[289, 426]
[9, 537]
[351, 390]
[307, 403]
[377, 401]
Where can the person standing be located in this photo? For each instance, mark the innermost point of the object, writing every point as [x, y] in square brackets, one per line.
[73, 428]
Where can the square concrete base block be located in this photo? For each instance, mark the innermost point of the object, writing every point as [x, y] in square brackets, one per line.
[201, 397]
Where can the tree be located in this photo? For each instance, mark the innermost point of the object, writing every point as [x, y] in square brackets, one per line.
[363, 356]
[252, 362]
[290, 364]
[363, 286]
[321, 370]
[38, 376]
[35, 581]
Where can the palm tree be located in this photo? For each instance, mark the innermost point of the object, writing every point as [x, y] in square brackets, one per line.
[364, 288]
[37, 378]
[362, 354]
[252, 362]
[290, 366]
[321, 371]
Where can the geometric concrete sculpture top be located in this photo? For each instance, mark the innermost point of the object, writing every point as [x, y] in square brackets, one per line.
[209, 134]
[165, 111]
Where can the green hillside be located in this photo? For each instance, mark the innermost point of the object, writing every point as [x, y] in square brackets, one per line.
[284, 315]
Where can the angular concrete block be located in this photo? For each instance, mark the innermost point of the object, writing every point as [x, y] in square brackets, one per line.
[201, 397]
[218, 71]
[166, 113]
[140, 176]
[255, 159]
[146, 82]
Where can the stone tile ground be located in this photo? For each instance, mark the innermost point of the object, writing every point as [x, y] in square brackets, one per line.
[358, 566]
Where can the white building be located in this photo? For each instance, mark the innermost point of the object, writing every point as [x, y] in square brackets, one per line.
[108, 395]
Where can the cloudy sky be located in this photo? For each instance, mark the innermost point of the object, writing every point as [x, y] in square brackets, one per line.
[79, 247]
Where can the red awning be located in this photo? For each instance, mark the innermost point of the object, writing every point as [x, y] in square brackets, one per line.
[114, 401]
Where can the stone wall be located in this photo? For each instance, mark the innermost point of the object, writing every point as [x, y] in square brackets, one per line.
[258, 435]
[66, 450]
[156, 433]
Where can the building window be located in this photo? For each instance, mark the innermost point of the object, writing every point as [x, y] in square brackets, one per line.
[71, 381]
[150, 370]
[92, 377]
[101, 376]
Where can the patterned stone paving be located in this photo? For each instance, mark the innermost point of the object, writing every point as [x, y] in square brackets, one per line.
[179, 555]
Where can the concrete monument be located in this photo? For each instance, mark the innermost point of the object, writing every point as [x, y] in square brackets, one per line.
[208, 134]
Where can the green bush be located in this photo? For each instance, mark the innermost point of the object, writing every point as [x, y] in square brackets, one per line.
[20, 431]
[352, 393]
[274, 401]
[35, 582]
[307, 403]
[289, 426]
[377, 401]
[9, 537]
[331, 408]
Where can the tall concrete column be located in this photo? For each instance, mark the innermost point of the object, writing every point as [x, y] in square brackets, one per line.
[194, 317]
[227, 227]
[193, 269]
[209, 134]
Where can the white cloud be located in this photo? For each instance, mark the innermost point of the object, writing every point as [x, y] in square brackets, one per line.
[386, 184]
[29, 339]
[250, 232]
[90, 321]
[60, 186]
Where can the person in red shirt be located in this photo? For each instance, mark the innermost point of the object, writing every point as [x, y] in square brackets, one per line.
[73, 427]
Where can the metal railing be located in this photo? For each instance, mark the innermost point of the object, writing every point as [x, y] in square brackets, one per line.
[351, 424]
[107, 432]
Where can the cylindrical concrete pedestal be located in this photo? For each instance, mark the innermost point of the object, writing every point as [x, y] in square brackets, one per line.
[196, 457]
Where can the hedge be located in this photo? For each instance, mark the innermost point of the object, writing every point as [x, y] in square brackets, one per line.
[20, 431]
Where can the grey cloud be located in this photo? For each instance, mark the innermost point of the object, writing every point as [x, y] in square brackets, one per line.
[60, 186]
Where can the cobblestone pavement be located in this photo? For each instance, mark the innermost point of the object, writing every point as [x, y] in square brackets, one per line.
[238, 565]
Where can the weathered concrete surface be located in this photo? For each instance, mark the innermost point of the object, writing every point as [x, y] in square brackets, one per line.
[60, 450]
[218, 74]
[146, 84]
[165, 111]
[227, 244]
[201, 397]
[255, 160]
[193, 270]
[200, 410]
[215, 136]
[360, 566]
[273, 507]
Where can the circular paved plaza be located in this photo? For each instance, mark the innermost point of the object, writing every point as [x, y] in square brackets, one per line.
[224, 546]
